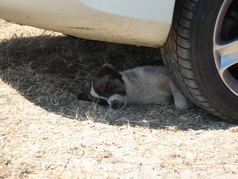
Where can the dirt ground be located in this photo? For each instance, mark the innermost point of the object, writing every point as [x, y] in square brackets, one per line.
[45, 132]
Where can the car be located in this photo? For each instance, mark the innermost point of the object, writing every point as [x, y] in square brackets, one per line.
[198, 38]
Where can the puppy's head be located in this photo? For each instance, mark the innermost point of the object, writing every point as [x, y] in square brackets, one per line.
[108, 85]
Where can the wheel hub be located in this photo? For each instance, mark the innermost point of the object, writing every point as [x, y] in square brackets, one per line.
[225, 48]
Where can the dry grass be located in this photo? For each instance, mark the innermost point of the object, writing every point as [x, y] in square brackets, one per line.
[46, 133]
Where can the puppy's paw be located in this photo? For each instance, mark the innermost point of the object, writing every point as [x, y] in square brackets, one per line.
[184, 104]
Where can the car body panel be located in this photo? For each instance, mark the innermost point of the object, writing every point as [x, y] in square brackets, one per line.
[138, 22]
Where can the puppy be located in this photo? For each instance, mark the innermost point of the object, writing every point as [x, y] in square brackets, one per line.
[141, 85]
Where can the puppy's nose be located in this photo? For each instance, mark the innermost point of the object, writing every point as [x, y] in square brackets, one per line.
[114, 104]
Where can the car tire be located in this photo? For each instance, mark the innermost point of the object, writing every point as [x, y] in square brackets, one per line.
[201, 54]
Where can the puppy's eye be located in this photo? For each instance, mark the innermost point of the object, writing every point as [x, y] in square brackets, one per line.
[106, 86]
[103, 87]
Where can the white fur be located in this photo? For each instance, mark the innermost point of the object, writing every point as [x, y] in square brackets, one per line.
[152, 85]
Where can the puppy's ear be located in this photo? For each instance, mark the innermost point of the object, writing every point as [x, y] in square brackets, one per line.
[108, 69]
[85, 96]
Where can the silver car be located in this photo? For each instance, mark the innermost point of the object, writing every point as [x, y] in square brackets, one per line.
[198, 38]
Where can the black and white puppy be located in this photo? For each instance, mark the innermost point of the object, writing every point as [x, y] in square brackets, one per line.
[141, 85]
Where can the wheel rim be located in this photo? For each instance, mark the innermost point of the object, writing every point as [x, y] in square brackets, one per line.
[225, 44]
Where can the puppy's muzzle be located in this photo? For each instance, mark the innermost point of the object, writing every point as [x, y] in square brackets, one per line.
[117, 101]
[116, 105]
